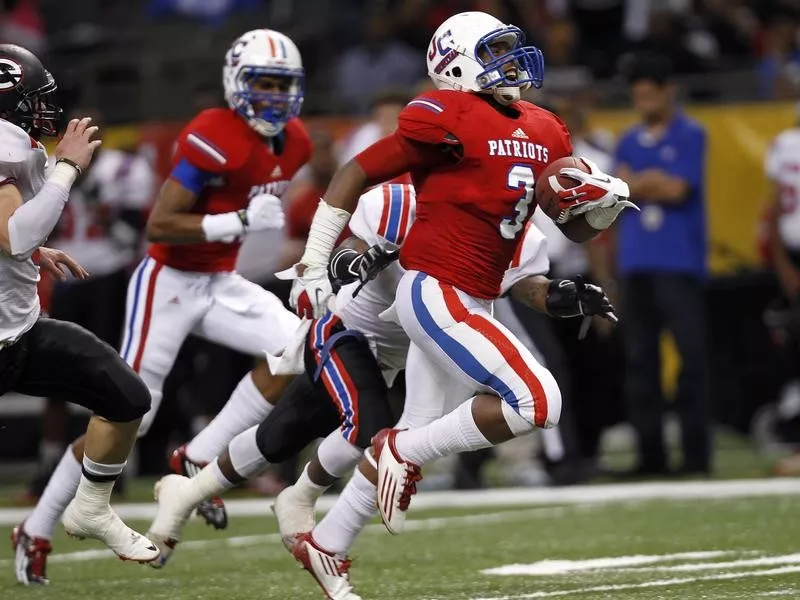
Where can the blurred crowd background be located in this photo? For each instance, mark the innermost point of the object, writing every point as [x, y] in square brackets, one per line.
[717, 359]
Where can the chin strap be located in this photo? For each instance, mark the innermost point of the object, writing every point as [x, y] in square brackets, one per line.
[506, 94]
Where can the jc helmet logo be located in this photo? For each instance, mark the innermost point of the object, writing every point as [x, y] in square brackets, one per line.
[10, 74]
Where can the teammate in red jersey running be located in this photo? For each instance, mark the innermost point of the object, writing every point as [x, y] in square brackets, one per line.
[474, 150]
[229, 168]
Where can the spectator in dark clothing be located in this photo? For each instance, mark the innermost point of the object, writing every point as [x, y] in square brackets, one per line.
[661, 259]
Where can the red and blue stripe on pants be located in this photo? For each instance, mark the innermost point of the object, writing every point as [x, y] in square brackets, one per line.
[334, 375]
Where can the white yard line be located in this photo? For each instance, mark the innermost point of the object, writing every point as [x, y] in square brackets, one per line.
[583, 494]
[561, 567]
[254, 540]
[631, 564]
[647, 584]
[764, 561]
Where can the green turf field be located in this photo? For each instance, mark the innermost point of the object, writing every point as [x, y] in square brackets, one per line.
[689, 549]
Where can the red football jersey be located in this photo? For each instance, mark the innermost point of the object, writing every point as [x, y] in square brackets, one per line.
[236, 164]
[471, 214]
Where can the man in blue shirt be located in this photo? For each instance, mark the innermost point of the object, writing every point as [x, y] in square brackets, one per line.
[662, 264]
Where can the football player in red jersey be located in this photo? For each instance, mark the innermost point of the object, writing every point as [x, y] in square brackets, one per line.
[474, 150]
[229, 168]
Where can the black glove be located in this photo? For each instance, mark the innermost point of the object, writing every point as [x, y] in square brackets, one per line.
[347, 266]
[568, 298]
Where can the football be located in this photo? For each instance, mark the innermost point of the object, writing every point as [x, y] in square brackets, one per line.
[546, 196]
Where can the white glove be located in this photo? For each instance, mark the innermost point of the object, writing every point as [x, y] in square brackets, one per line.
[597, 191]
[264, 212]
[311, 295]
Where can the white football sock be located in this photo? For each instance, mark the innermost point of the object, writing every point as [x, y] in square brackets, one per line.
[207, 483]
[306, 490]
[454, 432]
[57, 495]
[338, 456]
[246, 457]
[96, 485]
[356, 505]
[245, 408]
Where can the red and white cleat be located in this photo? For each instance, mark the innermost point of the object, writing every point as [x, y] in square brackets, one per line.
[213, 510]
[30, 562]
[332, 572]
[397, 480]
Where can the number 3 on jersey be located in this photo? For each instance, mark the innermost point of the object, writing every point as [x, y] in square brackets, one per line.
[519, 177]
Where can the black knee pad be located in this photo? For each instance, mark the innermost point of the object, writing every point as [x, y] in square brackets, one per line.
[300, 417]
[133, 399]
[137, 398]
[84, 370]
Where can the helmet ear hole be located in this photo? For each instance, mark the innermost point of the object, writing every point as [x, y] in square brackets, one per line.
[456, 71]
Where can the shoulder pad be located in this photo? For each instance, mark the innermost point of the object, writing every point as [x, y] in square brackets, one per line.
[216, 140]
[431, 117]
[15, 144]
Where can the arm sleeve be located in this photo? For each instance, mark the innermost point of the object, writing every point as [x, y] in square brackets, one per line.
[31, 223]
[529, 259]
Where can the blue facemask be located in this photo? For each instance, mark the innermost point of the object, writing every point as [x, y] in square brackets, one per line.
[281, 106]
[528, 60]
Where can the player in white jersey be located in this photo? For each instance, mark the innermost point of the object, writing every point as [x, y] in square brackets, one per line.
[43, 357]
[782, 166]
[228, 165]
[101, 229]
[381, 220]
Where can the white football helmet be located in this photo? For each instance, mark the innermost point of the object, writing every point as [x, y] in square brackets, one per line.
[257, 53]
[460, 57]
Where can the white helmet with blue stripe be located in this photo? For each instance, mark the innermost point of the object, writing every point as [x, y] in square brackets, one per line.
[264, 53]
[464, 56]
